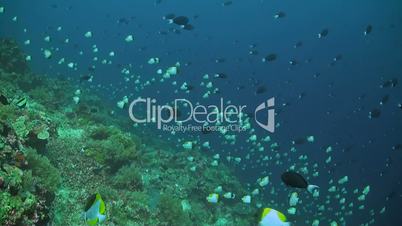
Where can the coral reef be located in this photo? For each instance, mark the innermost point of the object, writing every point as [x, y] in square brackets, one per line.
[48, 177]
[26, 186]
[109, 145]
[55, 153]
[128, 177]
[11, 58]
[171, 211]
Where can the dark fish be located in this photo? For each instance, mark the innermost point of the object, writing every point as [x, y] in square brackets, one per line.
[299, 141]
[375, 113]
[301, 96]
[397, 147]
[389, 83]
[241, 87]
[279, 15]
[391, 195]
[190, 87]
[87, 78]
[220, 75]
[394, 82]
[4, 100]
[180, 20]
[188, 27]
[368, 30]
[323, 33]
[220, 60]
[252, 46]
[298, 45]
[338, 57]
[123, 20]
[400, 106]
[386, 84]
[384, 99]
[91, 68]
[169, 16]
[22, 102]
[261, 90]
[253, 52]
[295, 180]
[227, 3]
[293, 62]
[271, 57]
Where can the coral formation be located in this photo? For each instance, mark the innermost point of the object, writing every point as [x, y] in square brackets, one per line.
[25, 196]
[109, 145]
[55, 153]
[11, 58]
[47, 176]
[171, 211]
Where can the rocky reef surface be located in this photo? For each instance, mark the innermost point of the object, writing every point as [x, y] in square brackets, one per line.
[55, 153]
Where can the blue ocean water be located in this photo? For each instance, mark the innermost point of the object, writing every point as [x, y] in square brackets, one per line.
[318, 96]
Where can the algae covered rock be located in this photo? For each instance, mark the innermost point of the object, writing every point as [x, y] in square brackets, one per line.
[109, 145]
[47, 176]
[128, 177]
[171, 211]
[15, 209]
[11, 57]
[24, 197]
[12, 177]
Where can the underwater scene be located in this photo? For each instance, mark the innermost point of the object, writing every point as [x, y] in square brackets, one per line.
[200, 113]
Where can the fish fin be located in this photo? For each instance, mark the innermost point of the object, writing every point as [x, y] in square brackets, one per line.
[312, 187]
[102, 207]
[92, 222]
[101, 218]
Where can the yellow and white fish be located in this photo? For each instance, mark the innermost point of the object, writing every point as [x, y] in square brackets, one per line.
[271, 217]
[95, 210]
[213, 198]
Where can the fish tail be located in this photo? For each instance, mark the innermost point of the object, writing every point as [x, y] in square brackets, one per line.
[312, 187]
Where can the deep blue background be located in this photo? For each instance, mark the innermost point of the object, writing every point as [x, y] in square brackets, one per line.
[331, 109]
